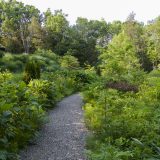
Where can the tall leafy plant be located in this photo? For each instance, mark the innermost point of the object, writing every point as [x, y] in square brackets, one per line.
[32, 71]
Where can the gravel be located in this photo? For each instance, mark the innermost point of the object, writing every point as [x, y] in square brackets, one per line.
[63, 138]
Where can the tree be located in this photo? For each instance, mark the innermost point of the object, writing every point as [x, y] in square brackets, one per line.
[55, 25]
[119, 61]
[15, 19]
[108, 32]
[135, 32]
[37, 34]
[88, 34]
[153, 41]
[10, 38]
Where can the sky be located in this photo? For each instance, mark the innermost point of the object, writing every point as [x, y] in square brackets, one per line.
[110, 10]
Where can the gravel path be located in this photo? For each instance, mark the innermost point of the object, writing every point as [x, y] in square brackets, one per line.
[63, 138]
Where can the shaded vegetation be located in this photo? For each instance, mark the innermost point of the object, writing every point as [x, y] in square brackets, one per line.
[116, 66]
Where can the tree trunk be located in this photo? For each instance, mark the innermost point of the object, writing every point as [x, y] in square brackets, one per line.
[25, 39]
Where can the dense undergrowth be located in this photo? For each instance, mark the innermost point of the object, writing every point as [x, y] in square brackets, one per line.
[122, 102]
[125, 123]
[23, 105]
[123, 107]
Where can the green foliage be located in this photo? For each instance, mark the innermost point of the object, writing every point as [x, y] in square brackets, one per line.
[136, 34]
[152, 36]
[16, 17]
[83, 78]
[22, 107]
[119, 61]
[126, 122]
[47, 54]
[109, 153]
[42, 91]
[1, 54]
[37, 34]
[56, 23]
[13, 63]
[69, 62]
[63, 82]
[32, 71]
[20, 116]
[47, 60]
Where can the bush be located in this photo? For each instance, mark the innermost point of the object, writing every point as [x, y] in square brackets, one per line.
[32, 71]
[47, 60]
[13, 63]
[69, 62]
[126, 121]
[47, 54]
[42, 91]
[14, 66]
[63, 81]
[21, 57]
[82, 79]
[1, 54]
[20, 116]
[23, 105]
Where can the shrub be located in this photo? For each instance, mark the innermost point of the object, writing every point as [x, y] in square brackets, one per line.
[69, 62]
[122, 86]
[47, 54]
[47, 60]
[23, 105]
[42, 91]
[1, 54]
[14, 66]
[126, 121]
[20, 116]
[64, 83]
[13, 63]
[32, 71]
[82, 79]
[21, 57]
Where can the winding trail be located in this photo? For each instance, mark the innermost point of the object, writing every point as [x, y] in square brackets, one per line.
[63, 138]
